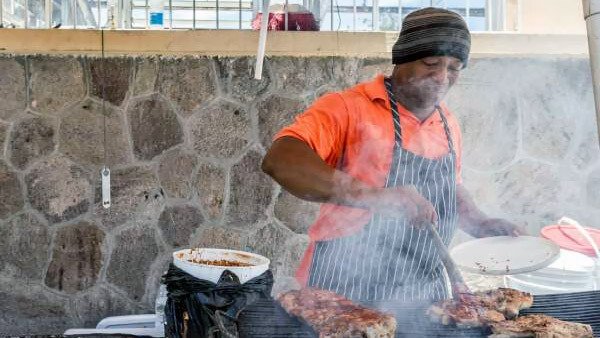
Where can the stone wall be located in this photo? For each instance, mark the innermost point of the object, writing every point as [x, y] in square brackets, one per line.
[185, 137]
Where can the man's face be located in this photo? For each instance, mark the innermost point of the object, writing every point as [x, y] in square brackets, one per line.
[426, 81]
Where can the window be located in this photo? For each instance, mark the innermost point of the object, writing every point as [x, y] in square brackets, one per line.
[333, 15]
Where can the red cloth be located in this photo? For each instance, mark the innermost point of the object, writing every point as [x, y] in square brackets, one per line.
[296, 22]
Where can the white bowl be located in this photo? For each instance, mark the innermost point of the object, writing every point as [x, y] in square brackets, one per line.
[258, 263]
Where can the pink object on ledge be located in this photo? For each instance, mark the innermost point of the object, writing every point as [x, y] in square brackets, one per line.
[299, 19]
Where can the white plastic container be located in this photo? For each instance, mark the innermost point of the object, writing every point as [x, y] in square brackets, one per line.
[157, 17]
[257, 263]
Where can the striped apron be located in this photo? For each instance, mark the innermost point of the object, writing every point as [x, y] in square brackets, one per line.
[389, 259]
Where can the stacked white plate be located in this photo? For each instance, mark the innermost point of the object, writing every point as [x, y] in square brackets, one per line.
[571, 272]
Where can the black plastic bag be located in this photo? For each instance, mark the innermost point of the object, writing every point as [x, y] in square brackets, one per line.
[199, 308]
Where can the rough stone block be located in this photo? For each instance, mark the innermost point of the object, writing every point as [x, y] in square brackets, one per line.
[222, 237]
[134, 252]
[572, 76]
[529, 191]
[154, 127]
[91, 307]
[549, 90]
[188, 82]
[24, 247]
[159, 268]
[251, 190]
[3, 135]
[10, 192]
[82, 135]
[486, 146]
[547, 127]
[27, 309]
[274, 113]
[288, 261]
[343, 72]
[12, 87]
[110, 78]
[135, 195]
[484, 194]
[300, 75]
[370, 68]
[586, 152]
[220, 130]
[210, 188]
[593, 189]
[270, 241]
[76, 258]
[295, 213]
[175, 173]
[322, 91]
[178, 223]
[237, 76]
[30, 139]
[145, 74]
[56, 83]
[58, 189]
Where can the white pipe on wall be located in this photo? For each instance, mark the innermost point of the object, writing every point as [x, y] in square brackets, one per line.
[262, 40]
[591, 13]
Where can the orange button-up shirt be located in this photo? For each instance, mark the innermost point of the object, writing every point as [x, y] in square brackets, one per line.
[358, 124]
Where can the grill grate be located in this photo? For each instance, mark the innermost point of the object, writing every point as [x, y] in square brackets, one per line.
[267, 319]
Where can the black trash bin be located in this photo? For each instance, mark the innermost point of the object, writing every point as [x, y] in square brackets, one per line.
[199, 308]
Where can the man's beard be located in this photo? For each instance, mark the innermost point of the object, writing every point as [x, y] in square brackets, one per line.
[422, 94]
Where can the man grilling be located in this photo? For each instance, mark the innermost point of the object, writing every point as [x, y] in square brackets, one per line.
[385, 158]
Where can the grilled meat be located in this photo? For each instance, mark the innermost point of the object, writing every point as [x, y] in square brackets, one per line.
[540, 326]
[463, 314]
[359, 322]
[480, 308]
[332, 315]
[512, 300]
[313, 303]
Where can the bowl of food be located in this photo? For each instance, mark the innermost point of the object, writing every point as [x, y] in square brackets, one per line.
[209, 263]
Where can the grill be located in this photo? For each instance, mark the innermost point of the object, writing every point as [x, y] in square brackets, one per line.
[266, 318]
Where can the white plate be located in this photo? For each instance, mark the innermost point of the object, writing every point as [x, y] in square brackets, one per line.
[505, 255]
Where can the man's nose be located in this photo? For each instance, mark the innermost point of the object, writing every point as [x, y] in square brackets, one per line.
[440, 75]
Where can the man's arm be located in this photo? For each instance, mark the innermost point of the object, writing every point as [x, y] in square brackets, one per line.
[473, 221]
[298, 168]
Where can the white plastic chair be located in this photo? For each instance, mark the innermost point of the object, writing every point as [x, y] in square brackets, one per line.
[138, 325]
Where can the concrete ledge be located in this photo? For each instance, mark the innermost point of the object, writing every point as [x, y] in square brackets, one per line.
[244, 42]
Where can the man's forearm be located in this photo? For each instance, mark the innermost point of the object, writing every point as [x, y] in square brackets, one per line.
[301, 171]
[296, 167]
[469, 215]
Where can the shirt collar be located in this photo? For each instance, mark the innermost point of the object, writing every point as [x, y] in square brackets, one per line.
[375, 89]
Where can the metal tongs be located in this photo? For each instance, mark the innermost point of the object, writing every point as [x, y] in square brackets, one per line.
[457, 283]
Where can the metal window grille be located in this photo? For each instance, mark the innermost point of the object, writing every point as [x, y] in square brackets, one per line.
[333, 15]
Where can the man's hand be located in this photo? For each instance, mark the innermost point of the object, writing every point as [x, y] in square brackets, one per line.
[402, 202]
[496, 227]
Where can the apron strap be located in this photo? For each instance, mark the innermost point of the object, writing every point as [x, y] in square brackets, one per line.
[447, 129]
[395, 114]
